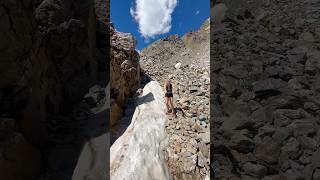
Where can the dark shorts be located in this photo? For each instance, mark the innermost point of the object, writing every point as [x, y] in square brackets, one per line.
[169, 94]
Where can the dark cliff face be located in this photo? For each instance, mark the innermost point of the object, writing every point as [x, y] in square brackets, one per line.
[47, 63]
[52, 52]
[265, 90]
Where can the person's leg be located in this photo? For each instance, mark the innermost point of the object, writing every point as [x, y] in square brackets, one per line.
[171, 104]
[167, 103]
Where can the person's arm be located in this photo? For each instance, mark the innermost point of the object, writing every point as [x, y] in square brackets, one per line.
[165, 86]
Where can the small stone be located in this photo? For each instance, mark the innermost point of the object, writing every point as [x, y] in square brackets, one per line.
[201, 160]
[268, 150]
[193, 89]
[310, 106]
[237, 120]
[307, 143]
[293, 175]
[257, 170]
[177, 66]
[204, 149]
[241, 143]
[305, 159]
[184, 100]
[203, 123]
[189, 163]
[266, 131]
[292, 148]
[306, 36]
[267, 84]
[201, 94]
[204, 137]
[139, 91]
[202, 117]
[185, 107]
[281, 134]
[294, 84]
[303, 127]
[283, 117]
[196, 127]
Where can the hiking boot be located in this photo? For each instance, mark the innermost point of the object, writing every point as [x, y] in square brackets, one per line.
[170, 111]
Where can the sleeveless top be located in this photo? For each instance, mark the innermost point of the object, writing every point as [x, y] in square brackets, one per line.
[169, 88]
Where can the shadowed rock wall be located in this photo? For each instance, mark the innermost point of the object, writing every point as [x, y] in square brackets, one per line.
[49, 61]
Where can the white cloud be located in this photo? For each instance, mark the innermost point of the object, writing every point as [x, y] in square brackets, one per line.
[197, 12]
[153, 16]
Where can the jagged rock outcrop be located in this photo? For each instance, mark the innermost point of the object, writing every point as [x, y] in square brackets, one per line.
[49, 61]
[186, 59]
[265, 90]
[125, 72]
[139, 152]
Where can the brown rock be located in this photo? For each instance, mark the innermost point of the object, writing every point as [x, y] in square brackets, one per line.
[125, 70]
[268, 151]
[20, 159]
[257, 170]
[241, 143]
[115, 113]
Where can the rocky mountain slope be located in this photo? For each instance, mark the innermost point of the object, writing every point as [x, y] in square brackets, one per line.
[187, 60]
[53, 74]
[265, 91]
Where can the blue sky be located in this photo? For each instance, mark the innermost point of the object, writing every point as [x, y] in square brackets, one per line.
[186, 15]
